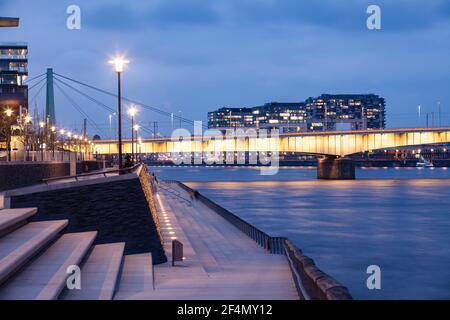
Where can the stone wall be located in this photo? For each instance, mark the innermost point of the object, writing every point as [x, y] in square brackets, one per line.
[313, 284]
[118, 210]
[15, 175]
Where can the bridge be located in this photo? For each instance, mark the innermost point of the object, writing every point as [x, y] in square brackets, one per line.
[334, 145]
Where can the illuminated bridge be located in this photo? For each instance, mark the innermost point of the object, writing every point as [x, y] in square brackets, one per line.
[334, 146]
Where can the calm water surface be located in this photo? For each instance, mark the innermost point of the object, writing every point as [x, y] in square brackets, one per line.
[398, 219]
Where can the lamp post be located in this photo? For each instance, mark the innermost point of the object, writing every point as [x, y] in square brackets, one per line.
[136, 128]
[62, 132]
[140, 145]
[132, 113]
[53, 132]
[27, 121]
[75, 145]
[86, 157]
[69, 137]
[9, 113]
[41, 139]
[119, 64]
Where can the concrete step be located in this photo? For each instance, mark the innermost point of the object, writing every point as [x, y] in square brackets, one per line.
[45, 277]
[20, 246]
[10, 219]
[137, 276]
[99, 274]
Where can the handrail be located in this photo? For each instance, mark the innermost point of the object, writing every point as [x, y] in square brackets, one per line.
[272, 244]
[310, 281]
[104, 173]
[175, 193]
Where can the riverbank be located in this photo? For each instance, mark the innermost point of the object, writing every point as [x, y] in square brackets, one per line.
[395, 218]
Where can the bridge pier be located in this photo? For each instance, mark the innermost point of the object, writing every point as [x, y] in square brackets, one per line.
[332, 168]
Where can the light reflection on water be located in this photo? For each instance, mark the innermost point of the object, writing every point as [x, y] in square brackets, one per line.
[398, 219]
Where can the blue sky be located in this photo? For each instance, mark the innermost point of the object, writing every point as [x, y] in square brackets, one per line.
[197, 55]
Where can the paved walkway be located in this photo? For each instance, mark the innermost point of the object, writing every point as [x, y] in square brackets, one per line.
[220, 261]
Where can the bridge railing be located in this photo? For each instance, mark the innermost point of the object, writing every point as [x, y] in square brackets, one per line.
[310, 281]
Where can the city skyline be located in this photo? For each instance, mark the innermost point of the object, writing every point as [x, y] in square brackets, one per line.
[243, 55]
[324, 113]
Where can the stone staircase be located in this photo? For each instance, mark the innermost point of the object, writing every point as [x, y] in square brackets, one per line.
[35, 256]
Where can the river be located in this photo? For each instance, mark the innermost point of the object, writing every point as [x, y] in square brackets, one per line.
[398, 219]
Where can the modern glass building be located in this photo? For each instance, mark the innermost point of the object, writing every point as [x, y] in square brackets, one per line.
[346, 112]
[231, 118]
[274, 114]
[326, 112]
[13, 73]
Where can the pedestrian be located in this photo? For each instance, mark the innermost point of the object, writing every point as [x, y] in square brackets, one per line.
[128, 163]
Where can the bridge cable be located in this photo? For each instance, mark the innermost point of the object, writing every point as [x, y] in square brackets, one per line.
[34, 78]
[165, 113]
[99, 103]
[37, 83]
[37, 93]
[87, 96]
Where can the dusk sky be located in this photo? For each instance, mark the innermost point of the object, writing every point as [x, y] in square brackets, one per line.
[199, 55]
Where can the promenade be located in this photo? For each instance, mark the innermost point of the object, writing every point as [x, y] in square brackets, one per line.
[220, 262]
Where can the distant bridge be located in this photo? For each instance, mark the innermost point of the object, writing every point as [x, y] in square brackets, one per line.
[333, 143]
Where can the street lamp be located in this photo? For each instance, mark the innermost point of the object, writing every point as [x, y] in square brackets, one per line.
[53, 131]
[9, 112]
[132, 113]
[62, 132]
[119, 64]
[136, 128]
[27, 120]
[140, 145]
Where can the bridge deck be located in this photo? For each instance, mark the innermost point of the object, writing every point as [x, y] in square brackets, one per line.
[220, 261]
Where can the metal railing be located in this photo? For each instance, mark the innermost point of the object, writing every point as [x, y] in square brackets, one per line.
[175, 193]
[44, 156]
[274, 245]
[103, 173]
[310, 281]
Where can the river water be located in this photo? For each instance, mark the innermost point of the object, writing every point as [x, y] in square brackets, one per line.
[398, 219]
